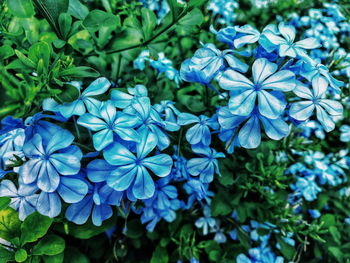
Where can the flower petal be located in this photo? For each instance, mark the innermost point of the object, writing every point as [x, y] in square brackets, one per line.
[262, 68]
[97, 87]
[232, 80]
[275, 129]
[144, 186]
[79, 213]
[100, 213]
[61, 139]
[118, 154]
[322, 116]
[91, 122]
[65, 164]
[186, 118]
[269, 105]
[249, 136]
[30, 170]
[121, 178]
[301, 110]
[160, 164]
[48, 178]
[243, 104]
[147, 144]
[98, 170]
[72, 190]
[49, 204]
[102, 139]
[283, 80]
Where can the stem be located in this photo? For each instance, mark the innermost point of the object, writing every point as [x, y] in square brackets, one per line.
[76, 127]
[83, 146]
[148, 41]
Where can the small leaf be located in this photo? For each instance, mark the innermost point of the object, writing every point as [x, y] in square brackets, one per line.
[97, 18]
[5, 255]
[160, 255]
[26, 61]
[50, 245]
[4, 202]
[21, 255]
[6, 51]
[149, 22]
[21, 8]
[77, 9]
[65, 23]
[80, 72]
[54, 259]
[32, 234]
[9, 224]
[40, 50]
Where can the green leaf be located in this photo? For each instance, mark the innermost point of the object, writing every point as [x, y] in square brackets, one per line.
[21, 255]
[77, 9]
[220, 205]
[50, 245]
[287, 250]
[54, 259]
[196, 3]
[87, 230]
[21, 8]
[160, 255]
[336, 252]
[4, 202]
[192, 19]
[135, 229]
[65, 24]
[31, 230]
[97, 18]
[51, 10]
[6, 51]
[80, 72]
[9, 224]
[73, 255]
[40, 50]
[26, 61]
[335, 234]
[149, 22]
[5, 255]
[328, 220]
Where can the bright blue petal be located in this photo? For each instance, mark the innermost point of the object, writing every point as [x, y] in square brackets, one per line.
[143, 187]
[49, 204]
[249, 136]
[97, 87]
[160, 164]
[72, 190]
[79, 212]
[118, 154]
[98, 170]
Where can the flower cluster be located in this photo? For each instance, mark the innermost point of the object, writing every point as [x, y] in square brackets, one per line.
[122, 152]
[281, 68]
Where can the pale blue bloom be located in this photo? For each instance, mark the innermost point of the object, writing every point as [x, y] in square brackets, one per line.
[85, 100]
[206, 165]
[47, 162]
[123, 100]
[315, 99]
[97, 202]
[132, 171]
[200, 132]
[285, 41]
[23, 200]
[206, 222]
[249, 136]
[108, 123]
[224, 10]
[245, 92]
[307, 187]
[345, 133]
[314, 213]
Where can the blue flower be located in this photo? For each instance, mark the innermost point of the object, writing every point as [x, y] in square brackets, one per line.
[9, 123]
[206, 165]
[108, 123]
[123, 100]
[196, 190]
[47, 162]
[132, 171]
[97, 202]
[85, 100]
[246, 35]
[149, 119]
[249, 136]
[206, 221]
[226, 35]
[72, 189]
[169, 112]
[163, 204]
[313, 69]
[315, 99]
[314, 213]
[11, 143]
[200, 132]
[23, 200]
[307, 187]
[244, 92]
[286, 44]
[345, 133]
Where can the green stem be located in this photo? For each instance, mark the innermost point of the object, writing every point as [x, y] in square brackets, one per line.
[148, 41]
